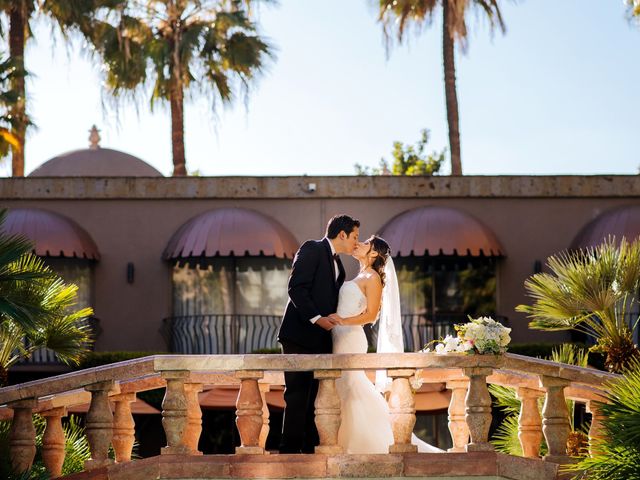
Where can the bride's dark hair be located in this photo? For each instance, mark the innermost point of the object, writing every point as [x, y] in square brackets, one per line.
[381, 247]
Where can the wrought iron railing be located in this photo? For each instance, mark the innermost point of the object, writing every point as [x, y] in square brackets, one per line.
[230, 334]
[222, 333]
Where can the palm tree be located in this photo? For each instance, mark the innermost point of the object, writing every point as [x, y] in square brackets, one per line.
[617, 451]
[36, 307]
[398, 15]
[76, 448]
[8, 100]
[593, 291]
[506, 439]
[67, 14]
[178, 47]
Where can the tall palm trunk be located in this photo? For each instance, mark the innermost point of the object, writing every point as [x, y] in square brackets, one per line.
[17, 39]
[176, 100]
[451, 96]
[176, 90]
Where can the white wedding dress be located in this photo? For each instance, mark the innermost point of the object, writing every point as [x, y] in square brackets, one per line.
[365, 422]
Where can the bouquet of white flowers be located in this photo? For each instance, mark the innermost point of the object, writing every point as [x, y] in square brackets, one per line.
[481, 335]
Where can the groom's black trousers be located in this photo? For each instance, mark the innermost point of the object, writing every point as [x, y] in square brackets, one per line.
[299, 432]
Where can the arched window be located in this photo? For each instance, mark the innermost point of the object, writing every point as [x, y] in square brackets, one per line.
[446, 265]
[230, 272]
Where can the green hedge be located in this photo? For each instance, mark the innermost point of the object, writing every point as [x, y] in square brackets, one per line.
[96, 359]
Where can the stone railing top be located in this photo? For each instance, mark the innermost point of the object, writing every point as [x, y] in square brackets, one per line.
[325, 187]
[144, 373]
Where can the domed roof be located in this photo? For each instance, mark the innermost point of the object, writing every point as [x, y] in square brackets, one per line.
[95, 162]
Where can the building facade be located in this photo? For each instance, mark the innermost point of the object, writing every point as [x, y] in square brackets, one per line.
[198, 263]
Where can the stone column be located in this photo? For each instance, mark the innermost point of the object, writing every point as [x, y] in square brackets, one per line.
[99, 425]
[264, 433]
[328, 412]
[194, 416]
[249, 412]
[402, 408]
[457, 414]
[555, 419]
[53, 441]
[22, 436]
[174, 412]
[123, 426]
[529, 422]
[595, 430]
[478, 409]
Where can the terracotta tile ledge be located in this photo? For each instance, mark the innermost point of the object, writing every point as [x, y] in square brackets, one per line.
[479, 466]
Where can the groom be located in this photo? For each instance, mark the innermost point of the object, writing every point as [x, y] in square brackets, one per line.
[316, 277]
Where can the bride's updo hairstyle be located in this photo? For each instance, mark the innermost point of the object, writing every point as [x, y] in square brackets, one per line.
[381, 247]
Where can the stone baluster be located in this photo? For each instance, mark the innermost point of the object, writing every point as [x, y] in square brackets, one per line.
[99, 425]
[22, 436]
[555, 419]
[249, 412]
[123, 426]
[529, 422]
[53, 442]
[327, 412]
[595, 430]
[457, 414]
[402, 409]
[478, 409]
[174, 412]
[194, 416]
[264, 433]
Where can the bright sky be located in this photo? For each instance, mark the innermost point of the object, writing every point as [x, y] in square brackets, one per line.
[558, 94]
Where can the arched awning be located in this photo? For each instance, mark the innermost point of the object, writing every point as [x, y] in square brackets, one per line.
[231, 232]
[619, 222]
[439, 231]
[54, 235]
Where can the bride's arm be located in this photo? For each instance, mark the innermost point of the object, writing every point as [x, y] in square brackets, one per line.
[373, 294]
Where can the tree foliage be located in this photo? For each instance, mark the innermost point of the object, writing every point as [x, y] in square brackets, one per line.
[37, 309]
[506, 439]
[167, 49]
[8, 101]
[593, 291]
[399, 16]
[408, 160]
[617, 451]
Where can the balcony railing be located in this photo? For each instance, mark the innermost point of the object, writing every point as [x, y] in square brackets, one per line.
[183, 376]
[238, 334]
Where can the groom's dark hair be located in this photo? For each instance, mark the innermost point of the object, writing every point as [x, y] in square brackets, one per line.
[341, 223]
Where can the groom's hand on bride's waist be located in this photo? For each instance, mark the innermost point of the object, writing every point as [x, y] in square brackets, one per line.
[327, 322]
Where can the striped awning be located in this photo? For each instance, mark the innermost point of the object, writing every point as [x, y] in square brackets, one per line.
[618, 222]
[54, 235]
[440, 231]
[231, 232]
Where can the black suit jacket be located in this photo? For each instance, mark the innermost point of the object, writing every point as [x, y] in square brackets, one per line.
[313, 290]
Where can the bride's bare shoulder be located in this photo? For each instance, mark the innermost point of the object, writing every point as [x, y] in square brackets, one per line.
[372, 277]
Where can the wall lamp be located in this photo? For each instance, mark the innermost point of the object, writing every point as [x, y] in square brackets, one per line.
[130, 272]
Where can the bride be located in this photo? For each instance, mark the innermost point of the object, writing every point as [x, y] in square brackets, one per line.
[365, 422]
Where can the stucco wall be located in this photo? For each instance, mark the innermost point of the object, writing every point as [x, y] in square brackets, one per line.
[131, 220]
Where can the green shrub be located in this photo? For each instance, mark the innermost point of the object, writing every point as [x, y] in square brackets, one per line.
[96, 359]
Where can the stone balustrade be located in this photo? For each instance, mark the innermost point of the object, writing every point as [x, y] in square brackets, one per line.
[184, 376]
